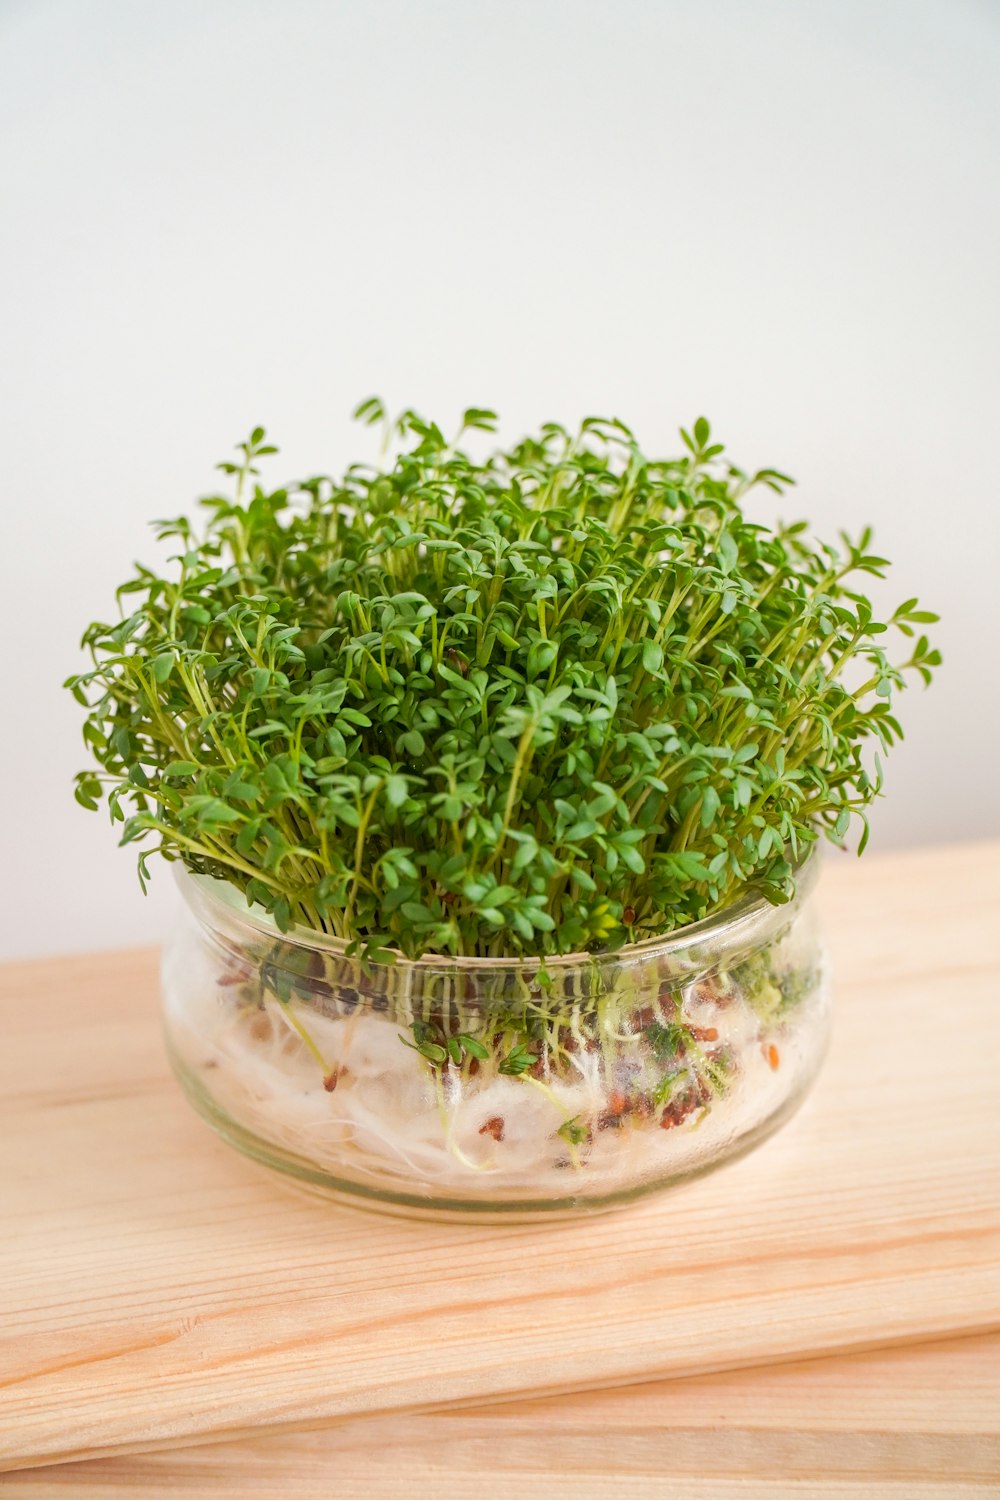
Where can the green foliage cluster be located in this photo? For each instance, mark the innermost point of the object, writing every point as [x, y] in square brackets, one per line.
[555, 700]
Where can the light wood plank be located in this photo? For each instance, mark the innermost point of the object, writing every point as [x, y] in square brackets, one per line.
[158, 1290]
[921, 1421]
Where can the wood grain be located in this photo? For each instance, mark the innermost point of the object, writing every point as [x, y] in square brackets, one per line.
[920, 1421]
[158, 1290]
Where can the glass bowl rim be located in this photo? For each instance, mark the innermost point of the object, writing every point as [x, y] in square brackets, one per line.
[748, 922]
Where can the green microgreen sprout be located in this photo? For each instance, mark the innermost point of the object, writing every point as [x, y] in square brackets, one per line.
[517, 1061]
[572, 1131]
[551, 700]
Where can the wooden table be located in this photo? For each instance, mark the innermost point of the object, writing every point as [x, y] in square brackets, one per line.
[822, 1318]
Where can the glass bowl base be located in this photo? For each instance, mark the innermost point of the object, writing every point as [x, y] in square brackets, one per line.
[306, 1178]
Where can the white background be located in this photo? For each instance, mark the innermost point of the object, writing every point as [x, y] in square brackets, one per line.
[781, 213]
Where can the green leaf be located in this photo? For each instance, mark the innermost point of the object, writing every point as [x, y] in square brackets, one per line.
[652, 657]
[162, 667]
[215, 811]
[517, 1061]
[526, 854]
[181, 768]
[474, 1047]
[710, 804]
[728, 554]
[395, 791]
[481, 417]
[87, 792]
[370, 411]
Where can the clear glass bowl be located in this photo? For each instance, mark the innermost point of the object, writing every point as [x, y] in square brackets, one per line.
[477, 1087]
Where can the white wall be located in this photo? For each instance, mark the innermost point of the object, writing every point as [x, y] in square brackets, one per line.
[782, 213]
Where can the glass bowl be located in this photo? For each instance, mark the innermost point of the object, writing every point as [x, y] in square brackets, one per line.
[472, 1088]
